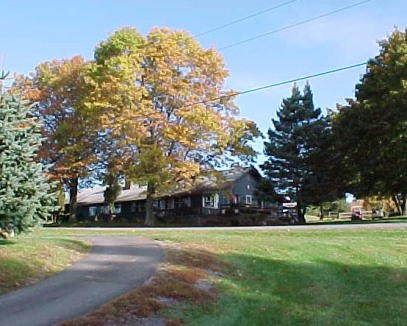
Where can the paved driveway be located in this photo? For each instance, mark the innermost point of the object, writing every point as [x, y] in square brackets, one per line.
[114, 266]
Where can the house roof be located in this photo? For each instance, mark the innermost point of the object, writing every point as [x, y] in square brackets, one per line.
[95, 195]
[237, 172]
[219, 181]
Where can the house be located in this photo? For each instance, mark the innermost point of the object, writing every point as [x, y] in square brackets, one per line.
[206, 196]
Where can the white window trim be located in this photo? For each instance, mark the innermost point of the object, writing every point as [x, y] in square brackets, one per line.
[213, 202]
[249, 200]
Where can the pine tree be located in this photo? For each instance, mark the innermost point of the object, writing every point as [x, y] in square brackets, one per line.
[293, 145]
[25, 196]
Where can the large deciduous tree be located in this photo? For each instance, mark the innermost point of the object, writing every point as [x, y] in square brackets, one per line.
[58, 90]
[371, 131]
[298, 162]
[161, 99]
[26, 198]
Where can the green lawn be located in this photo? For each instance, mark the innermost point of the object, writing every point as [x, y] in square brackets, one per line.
[296, 277]
[395, 219]
[27, 260]
[313, 278]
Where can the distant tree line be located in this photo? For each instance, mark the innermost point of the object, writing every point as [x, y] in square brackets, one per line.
[361, 148]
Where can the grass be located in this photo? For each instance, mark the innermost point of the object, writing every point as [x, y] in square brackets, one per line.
[25, 261]
[313, 220]
[346, 277]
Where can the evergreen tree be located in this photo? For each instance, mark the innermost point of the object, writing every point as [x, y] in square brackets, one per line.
[25, 197]
[295, 150]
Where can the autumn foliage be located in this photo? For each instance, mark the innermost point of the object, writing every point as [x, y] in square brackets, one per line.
[161, 99]
[154, 103]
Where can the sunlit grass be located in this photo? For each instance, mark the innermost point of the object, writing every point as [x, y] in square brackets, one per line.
[344, 277]
[27, 260]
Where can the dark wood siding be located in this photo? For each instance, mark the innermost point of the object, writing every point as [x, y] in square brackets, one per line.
[243, 187]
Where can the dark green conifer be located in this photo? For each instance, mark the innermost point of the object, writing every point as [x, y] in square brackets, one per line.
[293, 145]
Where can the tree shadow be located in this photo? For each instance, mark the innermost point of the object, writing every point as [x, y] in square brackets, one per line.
[266, 291]
[4, 242]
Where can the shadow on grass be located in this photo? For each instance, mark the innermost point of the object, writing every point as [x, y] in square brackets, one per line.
[6, 242]
[263, 291]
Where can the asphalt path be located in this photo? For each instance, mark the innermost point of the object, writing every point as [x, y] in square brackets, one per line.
[114, 266]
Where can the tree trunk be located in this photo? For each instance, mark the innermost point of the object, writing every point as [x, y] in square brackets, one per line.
[150, 220]
[73, 199]
[398, 204]
[321, 212]
[300, 217]
[300, 214]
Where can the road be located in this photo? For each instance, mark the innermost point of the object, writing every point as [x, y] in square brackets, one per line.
[321, 226]
[114, 266]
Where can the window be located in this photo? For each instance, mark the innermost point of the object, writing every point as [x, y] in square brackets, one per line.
[162, 204]
[180, 202]
[117, 208]
[249, 200]
[165, 203]
[137, 206]
[210, 200]
[93, 210]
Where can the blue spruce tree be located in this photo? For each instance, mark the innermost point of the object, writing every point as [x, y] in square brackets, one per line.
[26, 199]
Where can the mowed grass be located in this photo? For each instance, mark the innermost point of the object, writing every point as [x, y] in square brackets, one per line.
[344, 277]
[334, 221]
[28, 260]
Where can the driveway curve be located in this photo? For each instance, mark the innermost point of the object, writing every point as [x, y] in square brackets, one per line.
[114, 266]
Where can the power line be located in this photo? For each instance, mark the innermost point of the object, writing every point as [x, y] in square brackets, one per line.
[302, 78]
[245, 18]
[252, 90]
[295, 25]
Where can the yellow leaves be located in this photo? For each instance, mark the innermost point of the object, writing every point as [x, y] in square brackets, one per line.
[185, 171]
[161, 97]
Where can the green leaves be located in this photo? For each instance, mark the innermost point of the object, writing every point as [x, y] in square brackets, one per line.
[371, 132]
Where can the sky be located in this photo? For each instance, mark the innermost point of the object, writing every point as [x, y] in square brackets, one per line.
[37, 31]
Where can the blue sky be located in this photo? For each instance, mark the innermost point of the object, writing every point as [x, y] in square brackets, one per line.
[38, 31]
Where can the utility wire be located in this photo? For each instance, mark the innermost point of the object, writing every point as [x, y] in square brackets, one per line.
[295, 25]
[301, 78]
[252, 90]
[245, 18]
